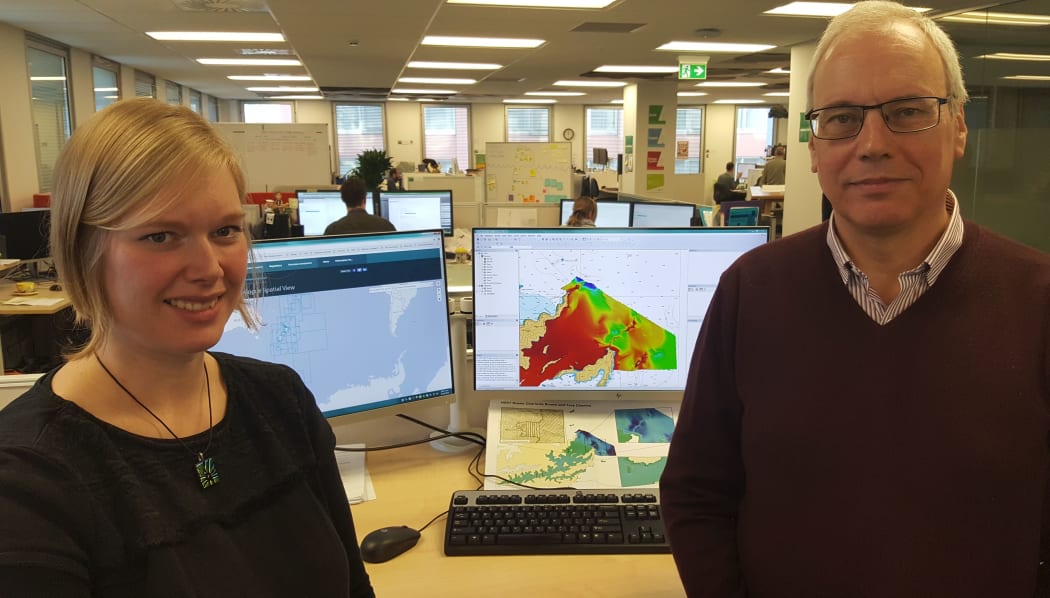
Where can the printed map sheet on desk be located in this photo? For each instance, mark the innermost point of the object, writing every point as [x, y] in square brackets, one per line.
[586, 445]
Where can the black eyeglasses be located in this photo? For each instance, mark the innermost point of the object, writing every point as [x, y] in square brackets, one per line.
[907, 115]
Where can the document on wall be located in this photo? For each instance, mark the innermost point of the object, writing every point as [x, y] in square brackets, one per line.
[356, 481]
[587, 445]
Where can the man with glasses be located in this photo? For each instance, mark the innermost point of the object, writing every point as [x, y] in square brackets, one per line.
[886, 434]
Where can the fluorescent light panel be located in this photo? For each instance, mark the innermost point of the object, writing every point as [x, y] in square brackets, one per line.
[555, 93]
[1016, 56]
[615, 101]
[280, 88]
[999, 18]
[481, 42]
[739, 102]
[680, 46]
[619, 68]
[424, 91]
[250, 61]
[269, 78]
[437, 80]
[1029, 77]
[779, 71]
[728, 84]
[531, 101]
[691, 94]
[778, 94]
[215, 36]
[538, 3]
[464, 66]
[591, 83]
[297, 97]
[818, 9]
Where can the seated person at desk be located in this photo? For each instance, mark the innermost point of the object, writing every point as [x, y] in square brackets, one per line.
[725, 184]
[357, 219]
[431, 165]
[394, 181]
[773, 173]
[145, 465]
[584, 212]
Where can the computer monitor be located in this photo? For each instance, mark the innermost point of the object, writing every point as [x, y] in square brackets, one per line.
[611, 213]
[318, 209]
[417, 210]
[649, 214]
[597, 313]
[25, 235]
[362, 318]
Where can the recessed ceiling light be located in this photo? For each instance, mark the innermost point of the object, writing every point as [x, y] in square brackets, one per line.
[538, 3]
[739, 102]
[437, 80]
[779, 71]
[250, 61]
[999, 18]
[215, 36]
[466, 66]
[616, 101]
[678, 46]
[1029, 77]
[269, 77]
[728, 84]
[778, 94]
[424, 91]
[1016, 56]
[481, 42]
[532, 101]
[285, 88]
[555, 93]
[691, 94]
[618, 68]
[591, 83]
[818, 9]
[265, 52]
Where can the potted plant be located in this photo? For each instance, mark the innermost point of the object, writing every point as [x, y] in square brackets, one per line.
[372, 166]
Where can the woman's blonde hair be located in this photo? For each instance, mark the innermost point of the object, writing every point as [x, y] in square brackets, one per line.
[121, 168]
[584, 209]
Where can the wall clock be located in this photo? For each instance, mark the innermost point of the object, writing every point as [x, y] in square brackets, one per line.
[568, 134]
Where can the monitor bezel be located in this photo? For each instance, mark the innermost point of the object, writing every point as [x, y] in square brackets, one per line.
[451, 205]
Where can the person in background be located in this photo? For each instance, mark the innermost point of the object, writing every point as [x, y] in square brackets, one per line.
[145, 465]
[357, 219]
[431, 165]
[584, 212]
[395, 181]
[913, 461]
[775, 168]
[725, 183]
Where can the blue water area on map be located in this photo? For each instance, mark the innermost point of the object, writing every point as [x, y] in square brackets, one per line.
[530, 307]
[643, 425]
[600, 447]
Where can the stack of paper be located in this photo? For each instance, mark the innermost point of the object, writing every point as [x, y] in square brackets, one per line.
[356, 481]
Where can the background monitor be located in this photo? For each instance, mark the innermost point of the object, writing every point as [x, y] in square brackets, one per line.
[25, 235]
[417, 210]
[611, 312]
[362, 318]
[649, 214]
[318, 209]
[610, 213]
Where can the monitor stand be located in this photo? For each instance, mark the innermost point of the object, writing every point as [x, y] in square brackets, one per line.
[457, 417]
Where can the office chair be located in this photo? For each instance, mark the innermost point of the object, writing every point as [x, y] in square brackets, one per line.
[592, 187]
[725, 206]
[706, 214]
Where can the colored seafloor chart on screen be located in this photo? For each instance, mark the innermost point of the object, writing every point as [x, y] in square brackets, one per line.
[590, 335]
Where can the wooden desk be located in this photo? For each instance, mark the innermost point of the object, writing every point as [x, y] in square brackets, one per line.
[766, 197]
[415, 484]
[7, 289]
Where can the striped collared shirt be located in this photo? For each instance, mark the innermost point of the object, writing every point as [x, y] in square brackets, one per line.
[913, 283]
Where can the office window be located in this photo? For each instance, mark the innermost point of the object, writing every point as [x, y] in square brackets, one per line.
[145, 85]
[604, 129]
[358, 127]
[754, 132]
[104, 74]
[268, 112]
[689, 129]
[173, 93]
[195, 101]
[48, 68]
[446, 135]
[213, 109]
[528, 124]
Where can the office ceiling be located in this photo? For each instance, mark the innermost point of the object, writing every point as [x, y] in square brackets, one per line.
[357, 49]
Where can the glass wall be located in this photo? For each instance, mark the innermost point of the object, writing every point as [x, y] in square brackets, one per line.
[754, 133]
[48, 68]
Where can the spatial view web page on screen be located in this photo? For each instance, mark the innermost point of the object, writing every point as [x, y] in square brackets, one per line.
[363, 319]
[571, 309]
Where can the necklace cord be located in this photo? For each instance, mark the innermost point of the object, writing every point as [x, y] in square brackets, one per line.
[211, 426]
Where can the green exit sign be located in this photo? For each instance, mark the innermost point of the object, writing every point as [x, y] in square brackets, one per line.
[692, 71]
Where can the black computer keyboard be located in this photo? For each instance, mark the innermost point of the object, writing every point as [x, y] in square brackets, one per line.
[483, 522]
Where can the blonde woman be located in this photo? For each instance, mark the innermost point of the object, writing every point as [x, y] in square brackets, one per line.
[146, 466]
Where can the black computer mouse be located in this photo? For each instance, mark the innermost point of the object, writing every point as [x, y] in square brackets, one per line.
[387, 542]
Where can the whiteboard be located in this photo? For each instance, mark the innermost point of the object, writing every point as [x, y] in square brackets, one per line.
[528, 172]
[285, 154]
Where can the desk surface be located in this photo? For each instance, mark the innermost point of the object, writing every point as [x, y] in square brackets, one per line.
[415, 484]
[44, 291]
[765, 194]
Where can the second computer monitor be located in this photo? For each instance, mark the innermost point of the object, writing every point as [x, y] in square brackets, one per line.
[610, 213]
[649, 214]
[318, 209]
[417, 210]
